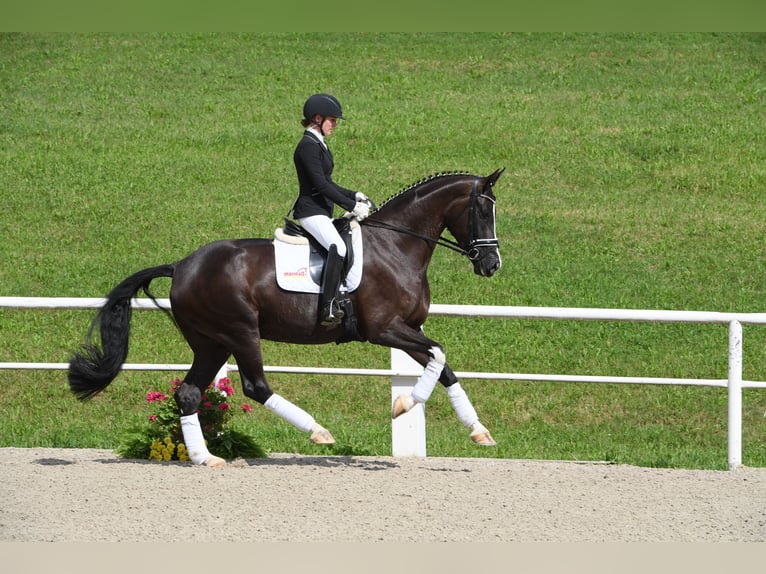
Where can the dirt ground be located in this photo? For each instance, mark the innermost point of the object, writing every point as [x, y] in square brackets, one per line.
[73, 495]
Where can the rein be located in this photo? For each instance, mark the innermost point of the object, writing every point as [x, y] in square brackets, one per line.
[442, 241]
[473, 246]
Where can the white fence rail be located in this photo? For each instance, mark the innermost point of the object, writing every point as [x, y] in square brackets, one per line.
[408, 431]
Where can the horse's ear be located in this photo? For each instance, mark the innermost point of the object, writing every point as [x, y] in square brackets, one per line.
[493, 177]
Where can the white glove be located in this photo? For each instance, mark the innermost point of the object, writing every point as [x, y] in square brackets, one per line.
[361, 210]
[361, 197]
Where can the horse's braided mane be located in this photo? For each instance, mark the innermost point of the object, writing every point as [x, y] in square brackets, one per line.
[425, 180]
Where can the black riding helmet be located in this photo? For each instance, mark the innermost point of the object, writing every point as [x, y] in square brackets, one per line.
[323, 105]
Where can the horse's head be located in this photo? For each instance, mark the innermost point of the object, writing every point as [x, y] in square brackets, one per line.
[474, 226]
[463, 203]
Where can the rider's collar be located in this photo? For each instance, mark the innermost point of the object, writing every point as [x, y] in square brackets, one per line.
[315, 132]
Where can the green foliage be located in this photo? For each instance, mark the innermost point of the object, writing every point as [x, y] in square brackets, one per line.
[232, 444]
[135, 445]
[634, 179]
[161, 437]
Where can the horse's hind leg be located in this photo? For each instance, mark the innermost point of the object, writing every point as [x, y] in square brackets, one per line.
[208, 359]
[255, 386]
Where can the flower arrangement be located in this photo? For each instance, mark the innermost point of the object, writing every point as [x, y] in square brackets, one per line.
[161, 439]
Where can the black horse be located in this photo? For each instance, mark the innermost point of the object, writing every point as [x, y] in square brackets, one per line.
[225, 299]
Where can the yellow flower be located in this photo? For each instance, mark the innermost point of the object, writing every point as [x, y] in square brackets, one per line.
[155, 451]
[182, 453]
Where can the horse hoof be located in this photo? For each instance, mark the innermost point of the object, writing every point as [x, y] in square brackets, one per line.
[402, 404]
[214, 462]
[483, 438]
[322, 436]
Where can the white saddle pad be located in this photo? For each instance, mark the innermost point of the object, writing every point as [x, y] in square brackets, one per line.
[292, 257]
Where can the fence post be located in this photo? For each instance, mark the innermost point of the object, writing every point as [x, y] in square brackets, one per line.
[735, 395]
[408, 431]
[223, 373]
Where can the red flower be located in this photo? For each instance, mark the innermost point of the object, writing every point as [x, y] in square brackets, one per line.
[152, 418]
[207, 405]
[224, 407]
[155, 397]
[228, 389]
[246, 407]
[224, 386]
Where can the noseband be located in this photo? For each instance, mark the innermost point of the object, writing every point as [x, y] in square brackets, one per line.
[474, 245]
[473, 252]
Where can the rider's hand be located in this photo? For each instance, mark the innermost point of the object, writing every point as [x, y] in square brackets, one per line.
[361, 197]
[361, 210]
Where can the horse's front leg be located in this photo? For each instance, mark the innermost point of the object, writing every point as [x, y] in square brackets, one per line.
[433, 363]
[436, 368]
[464, 409]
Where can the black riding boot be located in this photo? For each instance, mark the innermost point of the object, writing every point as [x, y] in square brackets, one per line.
[330, 311]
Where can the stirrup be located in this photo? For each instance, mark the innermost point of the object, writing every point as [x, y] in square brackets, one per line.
[332, 314]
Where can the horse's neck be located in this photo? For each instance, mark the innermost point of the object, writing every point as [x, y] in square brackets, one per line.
[428, 226]
[424, 215]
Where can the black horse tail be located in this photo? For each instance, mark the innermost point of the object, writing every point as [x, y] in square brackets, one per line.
[93, 368]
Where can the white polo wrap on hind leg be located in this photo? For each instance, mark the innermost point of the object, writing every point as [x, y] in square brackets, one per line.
[293, 414]
[425, 384]
[193, 439]
[462, 405]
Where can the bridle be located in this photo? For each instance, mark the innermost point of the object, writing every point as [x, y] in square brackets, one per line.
[473, 251]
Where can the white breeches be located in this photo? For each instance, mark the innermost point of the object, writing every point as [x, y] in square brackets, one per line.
[322, 229]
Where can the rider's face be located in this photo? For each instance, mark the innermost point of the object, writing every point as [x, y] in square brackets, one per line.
[328, 125]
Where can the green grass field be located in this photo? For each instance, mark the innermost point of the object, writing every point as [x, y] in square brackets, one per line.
[635, 169]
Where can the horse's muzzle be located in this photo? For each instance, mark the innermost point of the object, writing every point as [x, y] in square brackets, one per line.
[487, 262]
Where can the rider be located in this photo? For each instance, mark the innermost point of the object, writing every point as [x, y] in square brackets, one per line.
[318, 195]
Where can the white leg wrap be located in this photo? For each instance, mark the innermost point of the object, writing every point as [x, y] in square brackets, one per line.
[193, 439]
[462, 405]
[423, 388]
[293, 414]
